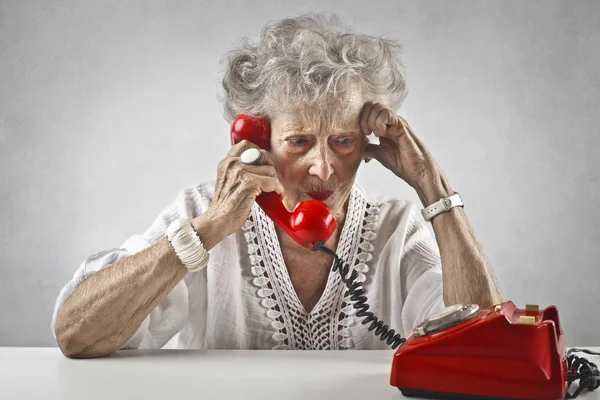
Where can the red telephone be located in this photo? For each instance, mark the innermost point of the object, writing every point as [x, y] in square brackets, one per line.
[311, 221]
[500, 352]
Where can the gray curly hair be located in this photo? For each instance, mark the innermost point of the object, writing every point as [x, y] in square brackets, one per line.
[308, 65]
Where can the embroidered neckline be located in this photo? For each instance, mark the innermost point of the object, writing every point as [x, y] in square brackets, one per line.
[327, 325]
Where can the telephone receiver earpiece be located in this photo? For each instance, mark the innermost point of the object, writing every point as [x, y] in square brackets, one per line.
[311, 221]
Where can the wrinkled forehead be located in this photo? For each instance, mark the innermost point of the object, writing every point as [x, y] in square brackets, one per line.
[335, 113]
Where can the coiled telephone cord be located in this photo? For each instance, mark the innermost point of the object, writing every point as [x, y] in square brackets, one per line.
[357, 295]
[586, 371]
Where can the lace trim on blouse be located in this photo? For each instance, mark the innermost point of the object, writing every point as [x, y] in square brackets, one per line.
[326, 326]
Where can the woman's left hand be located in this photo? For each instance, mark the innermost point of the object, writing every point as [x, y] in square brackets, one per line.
[399, 149]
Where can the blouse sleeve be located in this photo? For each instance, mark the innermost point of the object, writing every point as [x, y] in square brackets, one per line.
[421, 275]
[171, 315]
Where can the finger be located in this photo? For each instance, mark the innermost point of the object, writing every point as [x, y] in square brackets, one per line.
[223, 170]
[364, 117]
[375, 111]
[385, 118]
[232, 171]
[265, 157]
[269, 184]
[260, 184]
[237, 149]
[263, 170]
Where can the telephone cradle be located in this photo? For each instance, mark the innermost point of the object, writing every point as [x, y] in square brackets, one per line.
[501, 352]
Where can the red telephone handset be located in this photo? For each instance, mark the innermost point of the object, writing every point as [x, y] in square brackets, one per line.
[311, 221]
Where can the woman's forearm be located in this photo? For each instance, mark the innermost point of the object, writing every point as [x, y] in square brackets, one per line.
[468, 278]
[107, 308]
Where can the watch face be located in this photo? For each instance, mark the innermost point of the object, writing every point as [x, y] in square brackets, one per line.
[447, 318]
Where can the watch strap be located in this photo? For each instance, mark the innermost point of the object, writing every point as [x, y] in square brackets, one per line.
[442, 205]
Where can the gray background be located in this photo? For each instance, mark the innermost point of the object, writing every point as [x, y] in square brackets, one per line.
[107, 109]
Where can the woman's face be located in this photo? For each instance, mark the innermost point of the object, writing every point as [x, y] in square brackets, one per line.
[318, 163]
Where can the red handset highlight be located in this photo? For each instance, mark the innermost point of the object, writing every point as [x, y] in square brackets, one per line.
[311, 221]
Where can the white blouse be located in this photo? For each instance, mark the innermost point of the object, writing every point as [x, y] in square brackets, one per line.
[244, 298]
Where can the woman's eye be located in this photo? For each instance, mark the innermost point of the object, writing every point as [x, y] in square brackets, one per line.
[344, 142]
[298, 141]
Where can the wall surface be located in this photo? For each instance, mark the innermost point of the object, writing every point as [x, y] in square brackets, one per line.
[108, 108]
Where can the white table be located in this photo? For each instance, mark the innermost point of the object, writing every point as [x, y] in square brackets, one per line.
[44, 373]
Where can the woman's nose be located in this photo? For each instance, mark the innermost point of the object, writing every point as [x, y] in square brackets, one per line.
[320, 165]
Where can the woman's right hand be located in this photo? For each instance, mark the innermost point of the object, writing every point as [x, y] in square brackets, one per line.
[236, 188]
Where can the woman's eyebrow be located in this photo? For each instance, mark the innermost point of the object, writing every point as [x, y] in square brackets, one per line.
[294, 132]
[347, 132]
[291, 133]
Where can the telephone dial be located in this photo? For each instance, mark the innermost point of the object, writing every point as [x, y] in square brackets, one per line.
[462, 352]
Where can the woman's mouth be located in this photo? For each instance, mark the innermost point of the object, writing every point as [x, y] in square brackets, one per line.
[320, 195]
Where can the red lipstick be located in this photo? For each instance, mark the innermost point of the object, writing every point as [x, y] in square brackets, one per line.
[320, 195]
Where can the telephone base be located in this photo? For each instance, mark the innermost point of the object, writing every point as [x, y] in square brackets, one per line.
[426, 394]
[497, 352]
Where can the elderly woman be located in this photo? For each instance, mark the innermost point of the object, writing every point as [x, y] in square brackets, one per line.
[229, 278]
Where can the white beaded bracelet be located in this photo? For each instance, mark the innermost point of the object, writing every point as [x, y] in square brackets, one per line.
[187, 245]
